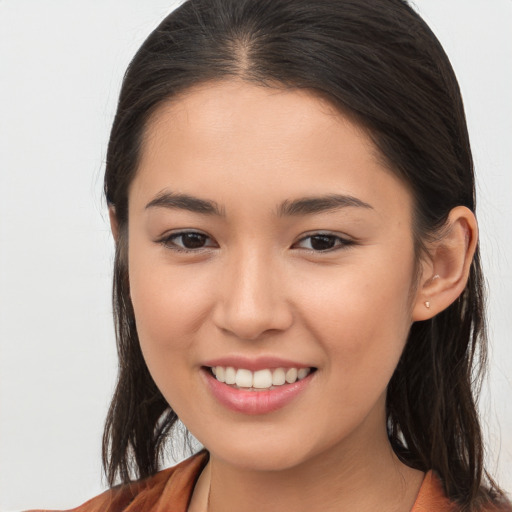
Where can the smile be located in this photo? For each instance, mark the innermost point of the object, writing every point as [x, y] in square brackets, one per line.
[257, 392]
[264, 379]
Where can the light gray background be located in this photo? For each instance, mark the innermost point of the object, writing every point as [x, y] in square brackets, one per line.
[61, 64]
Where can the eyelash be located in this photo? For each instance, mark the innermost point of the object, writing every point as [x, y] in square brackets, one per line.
[169, 242]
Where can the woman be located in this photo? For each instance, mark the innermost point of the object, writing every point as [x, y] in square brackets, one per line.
[297, 274]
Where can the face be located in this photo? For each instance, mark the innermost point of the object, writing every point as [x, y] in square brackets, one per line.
[266, 241]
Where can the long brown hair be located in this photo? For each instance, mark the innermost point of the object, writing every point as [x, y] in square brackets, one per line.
[378, 61]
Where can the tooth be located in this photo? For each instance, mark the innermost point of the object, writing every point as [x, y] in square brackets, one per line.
[278, 377]
[230, 375]
[243, 378]
[262, 379]
[303, 372]
[291, 375]
[219, 374]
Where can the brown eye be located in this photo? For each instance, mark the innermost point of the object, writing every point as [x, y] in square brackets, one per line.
[323, 242]
[192, 240]
[187, 241]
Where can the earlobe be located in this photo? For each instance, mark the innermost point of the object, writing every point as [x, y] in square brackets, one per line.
[445, 275]
[114, 224]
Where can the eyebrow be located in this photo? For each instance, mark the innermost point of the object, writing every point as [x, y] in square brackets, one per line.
[312, 205]
[186, 202]
[288, 208]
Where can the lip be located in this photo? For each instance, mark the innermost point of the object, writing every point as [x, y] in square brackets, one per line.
[255, 364]
[255, 402]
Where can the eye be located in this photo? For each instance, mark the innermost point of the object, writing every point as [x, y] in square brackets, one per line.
[193, 241]
[323, 242]
[187, 241]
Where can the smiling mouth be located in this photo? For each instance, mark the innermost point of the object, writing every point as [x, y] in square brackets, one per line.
[260, 380]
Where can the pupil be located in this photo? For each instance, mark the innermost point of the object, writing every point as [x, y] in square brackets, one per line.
[322, 242]
[193, 240]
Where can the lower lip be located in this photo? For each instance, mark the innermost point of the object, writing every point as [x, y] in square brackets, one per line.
[255, 402]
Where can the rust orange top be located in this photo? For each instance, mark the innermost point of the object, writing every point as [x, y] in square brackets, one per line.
[170, 490]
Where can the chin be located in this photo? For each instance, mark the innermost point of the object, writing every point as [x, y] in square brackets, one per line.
[261, 459]
[265, 452]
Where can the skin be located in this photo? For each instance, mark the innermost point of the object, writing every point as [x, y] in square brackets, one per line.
[258, 288]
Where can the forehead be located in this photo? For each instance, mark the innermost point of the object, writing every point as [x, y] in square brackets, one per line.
[221, 139]
[235, 111]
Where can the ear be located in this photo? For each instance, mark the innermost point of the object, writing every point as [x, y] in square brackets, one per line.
[445, 273]
[114, 224]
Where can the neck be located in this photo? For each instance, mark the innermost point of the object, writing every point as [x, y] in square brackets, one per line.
[352, 476]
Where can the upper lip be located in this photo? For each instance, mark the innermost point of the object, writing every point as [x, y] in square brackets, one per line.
[254, 364]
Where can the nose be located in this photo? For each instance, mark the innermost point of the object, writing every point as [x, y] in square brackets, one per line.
[252, 301]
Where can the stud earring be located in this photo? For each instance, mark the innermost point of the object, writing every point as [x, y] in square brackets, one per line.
[427, 304]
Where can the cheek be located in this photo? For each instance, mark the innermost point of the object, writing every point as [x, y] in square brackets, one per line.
[361, 314]
[162, 314]
[169, 311]
[170, 305]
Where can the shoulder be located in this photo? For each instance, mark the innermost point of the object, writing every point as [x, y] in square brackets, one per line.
[172, 486]
[432, 498]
